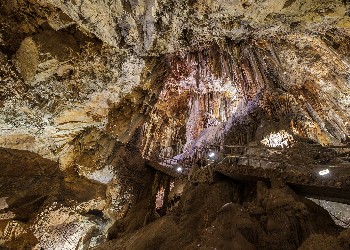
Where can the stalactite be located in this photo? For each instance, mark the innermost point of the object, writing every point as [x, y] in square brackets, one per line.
[255, 71]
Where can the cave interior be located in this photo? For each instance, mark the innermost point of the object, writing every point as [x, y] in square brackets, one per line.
[175, 124]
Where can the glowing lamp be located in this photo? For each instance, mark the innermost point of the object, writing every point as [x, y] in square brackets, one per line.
[324, 172]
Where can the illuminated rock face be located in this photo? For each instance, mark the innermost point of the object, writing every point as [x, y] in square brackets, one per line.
[97, 87]
[84, 64]
[243, 92]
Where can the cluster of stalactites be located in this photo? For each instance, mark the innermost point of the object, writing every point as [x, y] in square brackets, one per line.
[248, 66]
[231, 83]
[207, 85]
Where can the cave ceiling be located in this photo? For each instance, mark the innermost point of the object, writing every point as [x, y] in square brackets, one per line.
[120, 65]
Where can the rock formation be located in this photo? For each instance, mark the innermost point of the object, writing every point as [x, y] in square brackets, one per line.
[187, 124]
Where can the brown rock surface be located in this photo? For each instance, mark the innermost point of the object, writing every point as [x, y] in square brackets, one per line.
[93, 91]
[210, 216]
[41, 206]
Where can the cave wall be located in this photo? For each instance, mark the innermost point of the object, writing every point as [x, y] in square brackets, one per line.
[95, 87]
[63, 72]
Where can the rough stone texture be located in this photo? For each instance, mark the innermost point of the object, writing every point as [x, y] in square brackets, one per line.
[72, 81]
[319, 241]
[338, 211]
[39, 198]
[166, 26]
[44, 207]
[218, 215]
[96, 86]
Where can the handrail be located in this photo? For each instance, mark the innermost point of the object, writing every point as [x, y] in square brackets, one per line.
[198, 153]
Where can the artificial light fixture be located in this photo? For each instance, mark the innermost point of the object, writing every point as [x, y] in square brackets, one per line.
[179, 169]
[211, 154]
[324, 172]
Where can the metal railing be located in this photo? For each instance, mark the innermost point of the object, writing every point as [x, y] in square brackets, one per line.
[233, 154]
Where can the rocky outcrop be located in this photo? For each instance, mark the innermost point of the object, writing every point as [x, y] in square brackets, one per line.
[41, 203]
[45, 207]
[227, 215]
[167, 26]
